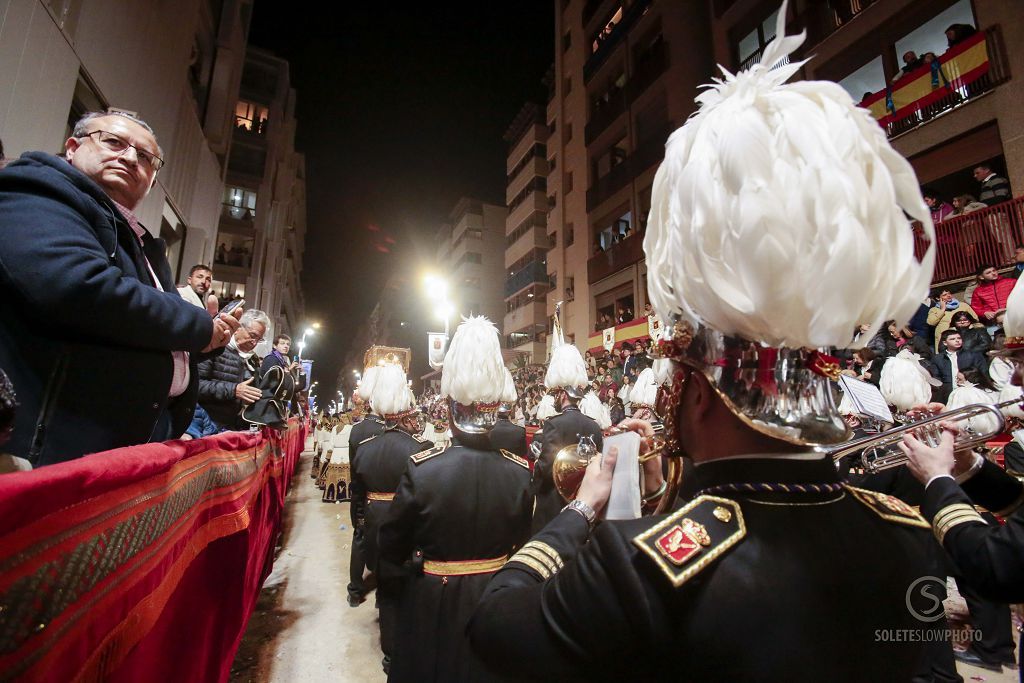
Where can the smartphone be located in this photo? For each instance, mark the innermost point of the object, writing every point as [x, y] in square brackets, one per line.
[231, 306]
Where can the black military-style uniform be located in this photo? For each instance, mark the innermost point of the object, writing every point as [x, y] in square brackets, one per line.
[459, 512]
[991, 555]
[371, 425]
[376, 471]
[772, 586]
[510, 436]
[559, 431]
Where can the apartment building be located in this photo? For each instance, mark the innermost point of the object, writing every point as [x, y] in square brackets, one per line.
[262, 221]
[958, 109]
[471, 256]
[526, 235]
[625, 75]
[176, 65]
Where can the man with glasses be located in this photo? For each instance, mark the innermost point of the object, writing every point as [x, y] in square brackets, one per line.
[100, 347]
[226, 383]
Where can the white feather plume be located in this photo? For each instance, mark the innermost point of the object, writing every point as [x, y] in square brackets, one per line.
[592, 407]
[509, 393]
[904, 383]
[967, 395]
[367, 383]
[1000, 370]
[546, 408]
[473, 369]
[1008, 392]
[390, 390]
[566, 368]
[645, 390]
[778, 213]
[1013, 321]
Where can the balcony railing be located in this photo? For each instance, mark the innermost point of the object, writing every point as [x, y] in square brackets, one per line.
[965, 72]
[649, 66]
[533, 272]
[605, 115]
[615, 258]
[822, 19]
[963, 243]
[648, 153]
[238, 213]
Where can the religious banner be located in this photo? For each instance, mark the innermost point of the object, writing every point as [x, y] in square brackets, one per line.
[307, 370]
[437, 345]
[608, 338]
[654, 327]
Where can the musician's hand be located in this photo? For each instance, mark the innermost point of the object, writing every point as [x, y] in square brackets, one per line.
[597, 482]
[926, 462]
[925, 410]
[641, 427]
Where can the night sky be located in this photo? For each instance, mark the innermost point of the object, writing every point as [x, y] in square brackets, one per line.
[399, 114]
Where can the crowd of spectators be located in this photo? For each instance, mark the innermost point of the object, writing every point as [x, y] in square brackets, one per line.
[951, 337]
[100, 347]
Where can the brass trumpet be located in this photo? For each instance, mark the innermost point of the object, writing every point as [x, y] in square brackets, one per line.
[571, 462]
[882, 452]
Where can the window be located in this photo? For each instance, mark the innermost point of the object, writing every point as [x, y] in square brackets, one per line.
[566, 41]
[239, 204]
[605, 32]
[233, 250]
[614, 232]
[751, 45]
[551, 164]
[567, 183]
[226, 291]
[570, 288]
[931, 36]
[567, 135]
[251, 118]
[614, 155]
[469, 257]
[471, 283]
[84, 100]
[568, 86]
[569, 235]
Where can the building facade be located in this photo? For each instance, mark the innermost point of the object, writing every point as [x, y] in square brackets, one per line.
[527, 241]
[176, 65]
[470, 256]
[625, 76]
[262, 221]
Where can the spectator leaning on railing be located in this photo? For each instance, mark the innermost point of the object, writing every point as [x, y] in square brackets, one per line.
[101, 348]
[226, 382]
[994, 189]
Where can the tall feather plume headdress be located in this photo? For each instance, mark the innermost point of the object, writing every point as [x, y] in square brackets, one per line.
[779, 222]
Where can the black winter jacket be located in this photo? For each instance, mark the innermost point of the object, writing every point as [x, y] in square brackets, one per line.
[85, 335]
[218, 378]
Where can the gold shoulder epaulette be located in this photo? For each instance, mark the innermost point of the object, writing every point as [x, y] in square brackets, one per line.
[419, 458]
[509, 455]
[369, 438]
[692, 538]
[888, 507]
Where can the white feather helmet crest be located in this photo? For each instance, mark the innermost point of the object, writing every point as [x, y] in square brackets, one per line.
[764, 240]
[473, 375]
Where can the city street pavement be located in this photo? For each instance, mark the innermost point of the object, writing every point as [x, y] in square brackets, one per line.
[304, 630]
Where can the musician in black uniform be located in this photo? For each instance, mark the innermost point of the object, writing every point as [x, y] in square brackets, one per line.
[505, 433]
[376, 471]
[774, 570]
[566, 380]
[458, 515]
[990, 555]
[371, 425]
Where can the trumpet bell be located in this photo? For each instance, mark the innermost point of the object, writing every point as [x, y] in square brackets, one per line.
[568, 469]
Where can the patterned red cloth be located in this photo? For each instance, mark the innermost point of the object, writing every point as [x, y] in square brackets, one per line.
[140, 563]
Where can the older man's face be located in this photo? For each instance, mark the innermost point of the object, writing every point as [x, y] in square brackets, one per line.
[122, 175]
[248, 337]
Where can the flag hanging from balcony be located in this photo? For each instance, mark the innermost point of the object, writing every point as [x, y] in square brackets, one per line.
[609, 338]
[437, 344]
[654, 327]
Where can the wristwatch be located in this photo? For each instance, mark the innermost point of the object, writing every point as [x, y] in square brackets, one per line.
[582, 508]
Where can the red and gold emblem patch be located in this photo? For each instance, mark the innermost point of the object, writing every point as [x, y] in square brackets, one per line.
[678, 545]
[896, 505]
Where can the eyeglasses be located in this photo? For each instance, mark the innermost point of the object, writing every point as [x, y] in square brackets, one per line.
[252, 335]
[117, 144]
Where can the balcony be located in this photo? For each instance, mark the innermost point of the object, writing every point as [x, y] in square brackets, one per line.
[823, 19]
[612, 39]
[535, 201]
[647, 154]
[965, 72]
[535, 238]
[649, 66]
[534, 272]
[237, 220]
[618, 256]
[963, 243]
[605, 115]
[529, 314]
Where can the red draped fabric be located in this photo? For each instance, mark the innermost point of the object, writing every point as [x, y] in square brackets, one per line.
[140, 563]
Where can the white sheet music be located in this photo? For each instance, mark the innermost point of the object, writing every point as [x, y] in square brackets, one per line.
[867, 399]
[624, 502]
